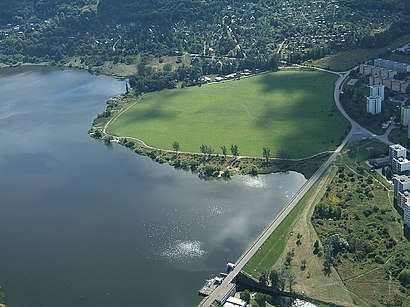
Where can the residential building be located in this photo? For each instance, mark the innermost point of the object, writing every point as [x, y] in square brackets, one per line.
[365, 69]
[405, 115]
[395, 85]
[392, 74]
[378, 80]
[392, 65]
[403, 86]
[397, 151]
[377, 90]
[374, 105]
[377, 71]
[387, 83]
[401, 190]
[406, 219]
[400, 165]
[384, 73]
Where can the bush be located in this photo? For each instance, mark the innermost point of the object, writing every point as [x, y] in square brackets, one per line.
[404, 277]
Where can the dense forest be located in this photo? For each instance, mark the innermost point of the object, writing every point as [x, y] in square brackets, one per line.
[228, 33]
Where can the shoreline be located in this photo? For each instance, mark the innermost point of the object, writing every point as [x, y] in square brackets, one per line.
[206, 166]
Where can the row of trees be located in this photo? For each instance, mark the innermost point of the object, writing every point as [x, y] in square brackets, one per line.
[234, 149]
[279, 278]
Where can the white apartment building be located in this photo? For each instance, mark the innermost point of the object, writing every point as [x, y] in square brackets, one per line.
[377, 90]
[406, 219]
[405, 115]
[397, 151]
[401, 190]
[400, 165]
[374, 105]
[392, 65]
[397, 159]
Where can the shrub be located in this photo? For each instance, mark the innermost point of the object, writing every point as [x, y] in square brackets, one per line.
[404, 277]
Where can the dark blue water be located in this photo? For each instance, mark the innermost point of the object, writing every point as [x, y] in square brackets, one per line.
[83, 224]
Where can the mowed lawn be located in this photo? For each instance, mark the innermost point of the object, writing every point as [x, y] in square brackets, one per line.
[282, 110]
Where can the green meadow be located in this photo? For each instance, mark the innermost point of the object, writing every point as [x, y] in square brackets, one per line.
[290, 110]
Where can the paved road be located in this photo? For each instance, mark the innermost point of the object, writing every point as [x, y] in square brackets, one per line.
[356, 129]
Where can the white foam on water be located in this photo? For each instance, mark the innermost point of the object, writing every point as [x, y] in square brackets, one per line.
[183, 251]
[215, 210]
[254, 182]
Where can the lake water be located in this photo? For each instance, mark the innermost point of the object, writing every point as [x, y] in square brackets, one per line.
[83, 224]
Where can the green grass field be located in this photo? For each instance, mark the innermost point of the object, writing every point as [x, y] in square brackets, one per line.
[283, 110]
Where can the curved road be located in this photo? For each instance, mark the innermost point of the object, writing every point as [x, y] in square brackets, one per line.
[356, 129]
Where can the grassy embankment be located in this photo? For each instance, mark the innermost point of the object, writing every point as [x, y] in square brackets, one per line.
[368, 222]
[288, 110]
[348, 59]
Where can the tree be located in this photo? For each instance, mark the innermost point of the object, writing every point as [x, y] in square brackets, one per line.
[266, 153]
[291, 279]
[245, 296]
[388, 172]
[207, 150]
[234, 150]
[224, 150]
[176, 147]
[264, 277]
[303, 264]
[260, 299]
[277, 279]
[404, 277]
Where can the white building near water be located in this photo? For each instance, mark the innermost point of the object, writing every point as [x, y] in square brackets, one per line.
[234, 302]
[374, 105]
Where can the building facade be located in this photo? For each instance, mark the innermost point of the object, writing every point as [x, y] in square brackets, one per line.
[377, 90]
[374, 105]
[405, 115]
[406, 219]
[398, 159]
[392, 65]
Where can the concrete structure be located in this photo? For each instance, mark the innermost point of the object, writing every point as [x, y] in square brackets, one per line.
[402, 196]
[365, 69]
[406, 219]
[400, 165]
[397, 151]
[392, 74]
[401, 184]
[395, 85]
[387, 83]
[234, 302]
[403, 86]
[392, 65]
[377, 71]
[374, 105]
[405, 115]
[398, 161]
[377, 90]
